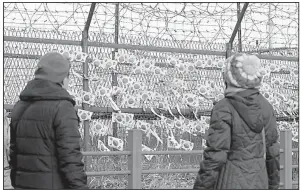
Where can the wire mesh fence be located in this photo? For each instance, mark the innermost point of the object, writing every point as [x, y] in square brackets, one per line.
[156, 43]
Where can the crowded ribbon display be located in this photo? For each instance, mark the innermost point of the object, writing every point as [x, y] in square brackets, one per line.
[173, 91]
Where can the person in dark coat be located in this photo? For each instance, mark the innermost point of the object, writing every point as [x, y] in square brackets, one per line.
[45, 140]
[242, 144]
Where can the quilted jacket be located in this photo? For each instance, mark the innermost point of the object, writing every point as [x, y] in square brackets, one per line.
[234, 157]
[45, 141]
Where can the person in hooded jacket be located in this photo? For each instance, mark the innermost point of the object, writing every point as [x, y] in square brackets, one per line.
[44, 136]
[242, 144]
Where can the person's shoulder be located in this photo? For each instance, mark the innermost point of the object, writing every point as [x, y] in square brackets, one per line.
[17, 110]
[263, 101]
[65, 103]
[65, 106]
[222, 105]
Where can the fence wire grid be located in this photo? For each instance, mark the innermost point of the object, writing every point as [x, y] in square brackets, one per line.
[157, 33]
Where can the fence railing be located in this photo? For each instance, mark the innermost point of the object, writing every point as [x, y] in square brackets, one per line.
[135, 153]
[11, 37]
[286, 166]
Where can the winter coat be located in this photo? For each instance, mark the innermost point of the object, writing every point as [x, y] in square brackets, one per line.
[234, 158]
[45, 141]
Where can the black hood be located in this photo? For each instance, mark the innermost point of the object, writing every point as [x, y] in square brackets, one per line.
[38, 89]
[248, 107]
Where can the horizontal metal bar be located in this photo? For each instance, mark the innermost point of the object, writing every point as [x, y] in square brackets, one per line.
[137, 47]
[28, 56]
[107, 153]
[113, 45]
[158, 171]
[295, 182]
[280, 58]
[295, 149]
[166, 65]
[104, 173]
[295, 166]
[41, 40]
[108, 110]
[148, 111]
[21, 56]
[157, 49]
[269, 50]
[172, 152]
[131, 110]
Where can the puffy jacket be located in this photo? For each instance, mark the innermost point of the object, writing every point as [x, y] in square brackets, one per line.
[45, 141]
[234, 158]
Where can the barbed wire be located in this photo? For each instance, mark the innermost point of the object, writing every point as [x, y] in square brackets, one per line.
[263, 23]
[18, 57]
[267, 28]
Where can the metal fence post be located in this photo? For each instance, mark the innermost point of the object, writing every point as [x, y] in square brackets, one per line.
[85, 88]
[228, 50]
[84, 44]
[114, 74]
[135, 159]
[239, 29]
[286, 172]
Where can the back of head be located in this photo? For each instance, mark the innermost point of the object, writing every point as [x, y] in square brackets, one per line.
[53, 67]
[242, 75]
[243, 71]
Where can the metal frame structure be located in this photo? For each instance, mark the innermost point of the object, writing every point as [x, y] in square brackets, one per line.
[135, 153]
[136, 156]
[235, 30]
[135, 47]
[84, 44]
[114, 75]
